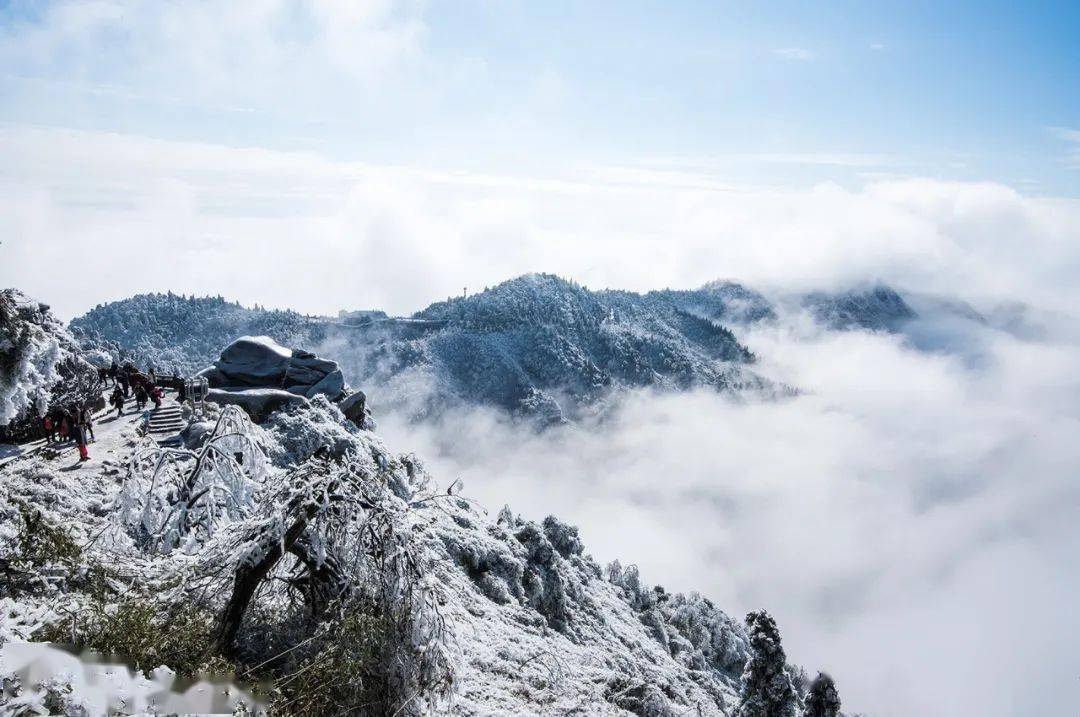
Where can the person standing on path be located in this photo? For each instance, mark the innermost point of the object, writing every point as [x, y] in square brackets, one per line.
[50, 428]
[86, 421]
[117, 401]
[80, 439]
[65, 426]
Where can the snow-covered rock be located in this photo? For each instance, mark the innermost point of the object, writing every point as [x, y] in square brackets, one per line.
[260, 362]
[354, 407]
[259, 403]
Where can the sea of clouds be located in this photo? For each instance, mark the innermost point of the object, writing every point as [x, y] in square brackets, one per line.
[911, 519]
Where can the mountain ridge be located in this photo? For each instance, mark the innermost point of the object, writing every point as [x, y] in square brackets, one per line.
[537, 345]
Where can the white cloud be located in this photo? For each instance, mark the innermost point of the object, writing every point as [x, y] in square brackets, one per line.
[239, 55]
[322, 235]
[794, 53]
[720, 162]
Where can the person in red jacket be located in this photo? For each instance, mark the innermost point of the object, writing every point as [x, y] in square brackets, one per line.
[86, 422]
[78, 433]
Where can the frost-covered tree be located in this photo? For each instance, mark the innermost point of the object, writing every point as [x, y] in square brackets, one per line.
[822, 700]
[767, 689]
[175, 333]
[40, 363]
[695, 632]
[29, 352]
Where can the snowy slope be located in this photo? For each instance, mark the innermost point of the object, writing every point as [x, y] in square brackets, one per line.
[533, 624]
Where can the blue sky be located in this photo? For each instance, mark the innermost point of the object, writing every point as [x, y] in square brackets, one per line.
[785, 93]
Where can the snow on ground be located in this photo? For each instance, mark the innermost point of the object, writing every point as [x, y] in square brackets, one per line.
[537, 626]
[581, 650]
[108, 430]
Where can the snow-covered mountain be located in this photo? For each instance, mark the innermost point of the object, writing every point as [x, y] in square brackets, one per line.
[305, 552]
[537, 345]
[543, 346]
[876, 308]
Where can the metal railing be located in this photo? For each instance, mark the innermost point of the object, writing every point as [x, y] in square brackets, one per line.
[196, 389]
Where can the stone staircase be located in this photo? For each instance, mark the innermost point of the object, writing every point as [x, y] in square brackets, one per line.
[166, 420]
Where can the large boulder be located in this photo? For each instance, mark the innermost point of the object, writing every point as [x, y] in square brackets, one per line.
[355, 407]
[254, 361]
[260, 362]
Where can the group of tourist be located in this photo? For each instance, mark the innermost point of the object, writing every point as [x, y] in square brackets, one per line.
[128, 380]
[75, 424]
[124, 376]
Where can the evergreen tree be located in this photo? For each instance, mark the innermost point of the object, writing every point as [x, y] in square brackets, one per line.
[767, 689]
[822, 700]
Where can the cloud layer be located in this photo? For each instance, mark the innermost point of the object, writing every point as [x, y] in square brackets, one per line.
[910, 520]
[295, 229]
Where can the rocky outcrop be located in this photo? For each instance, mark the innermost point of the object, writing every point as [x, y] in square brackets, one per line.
[261, 362]
[262, 376]
[354, 406]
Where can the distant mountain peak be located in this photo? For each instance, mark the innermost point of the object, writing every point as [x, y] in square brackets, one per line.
[877, 307]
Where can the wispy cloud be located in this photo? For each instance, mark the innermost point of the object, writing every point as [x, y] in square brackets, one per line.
[833, 159]
[1072, 138]
[877, 46]
[799, 54]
